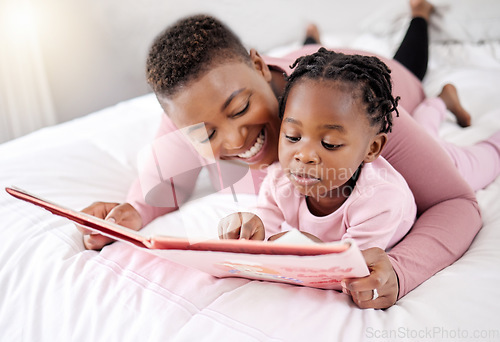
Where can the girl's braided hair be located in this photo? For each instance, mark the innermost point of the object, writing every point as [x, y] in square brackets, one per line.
[188, 49]
[366, 75]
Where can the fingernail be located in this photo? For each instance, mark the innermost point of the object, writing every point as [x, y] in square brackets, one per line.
[342, 283]
[111, 219]
[344, 290]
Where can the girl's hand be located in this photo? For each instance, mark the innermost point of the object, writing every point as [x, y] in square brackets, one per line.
[241, 226]
[123, 214]
[382, 277]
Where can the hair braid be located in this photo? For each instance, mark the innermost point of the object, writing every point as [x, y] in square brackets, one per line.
[368, 75]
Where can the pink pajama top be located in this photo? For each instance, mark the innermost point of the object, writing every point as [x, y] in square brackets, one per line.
[448, 213]
[378, 213]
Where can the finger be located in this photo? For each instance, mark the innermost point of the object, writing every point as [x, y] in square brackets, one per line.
[220, 229]
[83, 230]
[232, 227]
[252, 227]
[363, 296]
[259, 234]
[116, 215]
[345, 289]
[125, 215]
[387, 292]
[361, 290]
[247, 230]
[99, 209]
[96, 242]
[381, 302]
[375, 280]
[380, 272]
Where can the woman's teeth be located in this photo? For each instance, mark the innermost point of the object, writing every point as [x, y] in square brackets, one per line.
[255, 148]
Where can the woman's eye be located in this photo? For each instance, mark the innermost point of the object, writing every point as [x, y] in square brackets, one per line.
[292, 139]
[243, 111]
[210, 136]
[331, 146]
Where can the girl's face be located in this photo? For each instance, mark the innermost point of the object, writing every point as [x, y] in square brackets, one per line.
[325, 136]
[230, 112]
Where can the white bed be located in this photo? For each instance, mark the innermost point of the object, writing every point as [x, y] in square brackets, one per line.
[52, 289]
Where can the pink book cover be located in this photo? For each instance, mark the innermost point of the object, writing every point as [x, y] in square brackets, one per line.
[292, 259]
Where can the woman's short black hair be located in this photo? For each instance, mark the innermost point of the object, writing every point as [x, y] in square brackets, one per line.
[188, 49]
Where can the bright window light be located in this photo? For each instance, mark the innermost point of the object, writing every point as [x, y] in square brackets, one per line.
[18, 19]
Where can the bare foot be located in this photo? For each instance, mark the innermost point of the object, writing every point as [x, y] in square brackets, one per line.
[449, 95]
[313, 32]
[421, 8]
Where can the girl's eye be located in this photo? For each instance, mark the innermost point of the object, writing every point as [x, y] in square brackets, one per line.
[292, 139]
[331, 146]
[210, 136]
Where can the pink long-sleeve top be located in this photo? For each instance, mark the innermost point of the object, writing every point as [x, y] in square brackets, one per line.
[379, 211]
[447, 209]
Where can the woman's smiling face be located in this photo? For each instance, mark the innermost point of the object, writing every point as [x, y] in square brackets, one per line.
[230, 112]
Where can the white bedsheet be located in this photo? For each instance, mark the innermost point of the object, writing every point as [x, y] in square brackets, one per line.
[51, 289]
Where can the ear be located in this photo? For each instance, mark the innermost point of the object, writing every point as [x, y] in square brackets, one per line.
[376, 146]
[260, 65]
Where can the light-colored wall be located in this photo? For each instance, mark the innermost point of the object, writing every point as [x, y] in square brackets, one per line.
[94, 51]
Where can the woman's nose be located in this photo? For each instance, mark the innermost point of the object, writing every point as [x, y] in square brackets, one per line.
[234, 138]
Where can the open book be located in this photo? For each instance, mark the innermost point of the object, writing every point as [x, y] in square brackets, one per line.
[292, 259]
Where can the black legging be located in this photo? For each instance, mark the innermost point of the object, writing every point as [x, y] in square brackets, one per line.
[413, 52]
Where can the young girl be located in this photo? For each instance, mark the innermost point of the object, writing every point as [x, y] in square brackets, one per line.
[333, 184]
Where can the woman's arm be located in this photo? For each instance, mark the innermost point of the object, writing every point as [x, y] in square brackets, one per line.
[449, 216]
[440, 236]
[170, 167]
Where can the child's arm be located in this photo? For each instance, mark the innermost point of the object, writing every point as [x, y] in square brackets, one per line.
[269, 218]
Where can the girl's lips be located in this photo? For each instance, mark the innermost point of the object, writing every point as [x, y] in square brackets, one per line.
[304, 179]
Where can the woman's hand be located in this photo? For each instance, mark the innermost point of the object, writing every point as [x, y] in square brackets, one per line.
[382, 278]
[123, 214]
[241, 226]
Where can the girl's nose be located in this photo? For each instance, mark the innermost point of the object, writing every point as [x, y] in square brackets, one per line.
[307, 155]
